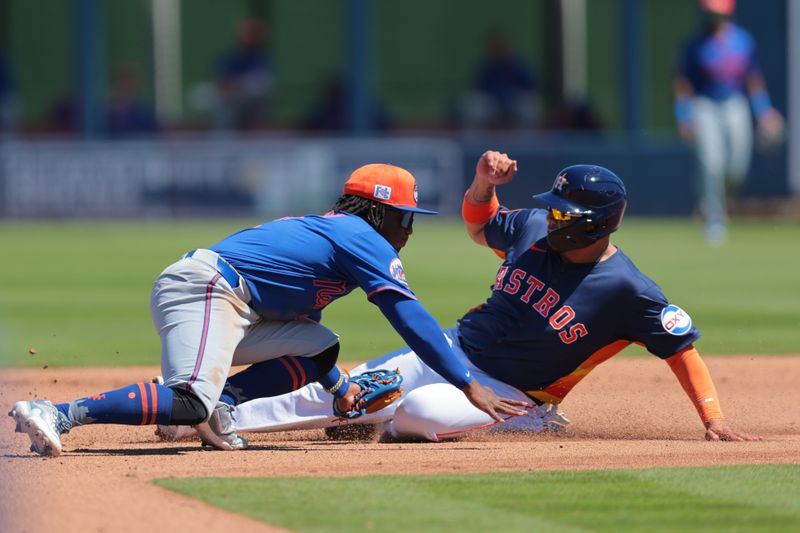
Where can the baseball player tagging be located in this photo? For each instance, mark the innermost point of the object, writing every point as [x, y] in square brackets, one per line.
[564, 300]
[255, 298]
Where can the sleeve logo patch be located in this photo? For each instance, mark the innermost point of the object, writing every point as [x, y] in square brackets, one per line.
[382, 192]
[675, 320]
[396, 271]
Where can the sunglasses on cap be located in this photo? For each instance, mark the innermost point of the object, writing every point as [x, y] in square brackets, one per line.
[562, 216]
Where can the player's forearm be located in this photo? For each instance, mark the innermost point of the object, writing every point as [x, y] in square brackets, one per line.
[422, 334]
[479, 206]
[694, 377]
[760, 101]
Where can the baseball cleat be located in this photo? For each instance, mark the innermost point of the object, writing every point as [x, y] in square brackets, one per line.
[219, 432]
[39, 419]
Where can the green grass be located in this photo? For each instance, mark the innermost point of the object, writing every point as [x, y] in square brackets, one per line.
[78, 291]
[739, 498]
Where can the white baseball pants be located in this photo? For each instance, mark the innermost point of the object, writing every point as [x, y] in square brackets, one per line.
[430, 408]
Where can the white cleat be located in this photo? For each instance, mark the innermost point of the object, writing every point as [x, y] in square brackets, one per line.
[219, 432]
[39, 419]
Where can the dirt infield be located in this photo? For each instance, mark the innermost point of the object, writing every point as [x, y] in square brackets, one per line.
[630, 413]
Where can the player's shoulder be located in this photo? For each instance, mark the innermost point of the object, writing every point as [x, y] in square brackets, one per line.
[353, 233]
[527, 227]
[630, 277]
[533, 218]
[739, 32]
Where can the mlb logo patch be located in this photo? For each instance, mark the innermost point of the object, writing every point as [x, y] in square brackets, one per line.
[675, 320]
[382, 192]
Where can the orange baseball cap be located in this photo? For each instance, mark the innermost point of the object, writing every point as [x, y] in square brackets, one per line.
[386, 184]
[722, 7]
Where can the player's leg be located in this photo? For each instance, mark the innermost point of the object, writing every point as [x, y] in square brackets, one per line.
[283, 357]
[311, 406]
[314, 350]
[441, 411]
[200, 319]
[199, 336]
[710, 146]
[739, 129]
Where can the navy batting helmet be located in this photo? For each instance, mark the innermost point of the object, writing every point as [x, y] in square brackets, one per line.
[593, 197]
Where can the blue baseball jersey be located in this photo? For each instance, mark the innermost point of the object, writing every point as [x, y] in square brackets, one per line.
[296, 266]
[717, 65]
[549, 322]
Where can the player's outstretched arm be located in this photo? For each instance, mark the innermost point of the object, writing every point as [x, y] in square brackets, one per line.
[480, 200]
[694, 377]
[419, 329]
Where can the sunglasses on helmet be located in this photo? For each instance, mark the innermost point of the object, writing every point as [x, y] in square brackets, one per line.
[562, 216]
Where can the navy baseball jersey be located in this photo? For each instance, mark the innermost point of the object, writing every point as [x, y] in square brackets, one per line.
[549, 322]
[718, 65]
[296, 266]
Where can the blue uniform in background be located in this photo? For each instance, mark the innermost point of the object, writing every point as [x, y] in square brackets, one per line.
[296, 266]
[717, 66]
[548, 322]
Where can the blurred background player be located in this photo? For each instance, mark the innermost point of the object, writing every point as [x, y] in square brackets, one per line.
[505, 89]
[565, 299]
[717, 72]
[256, 298]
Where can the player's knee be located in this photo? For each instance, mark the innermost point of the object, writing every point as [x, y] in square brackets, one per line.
[326, 358]
[436, 412]
[416, 417]
[187, 408]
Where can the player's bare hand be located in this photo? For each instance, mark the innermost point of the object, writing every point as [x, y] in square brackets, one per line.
[487, 401]
[347, 402]
[770, 132]
[718, 429]
[496, 168]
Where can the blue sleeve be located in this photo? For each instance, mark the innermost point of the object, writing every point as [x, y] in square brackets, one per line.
[373, 264]
[422, 334]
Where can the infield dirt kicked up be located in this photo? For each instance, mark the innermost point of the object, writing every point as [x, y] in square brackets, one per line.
[629, 413]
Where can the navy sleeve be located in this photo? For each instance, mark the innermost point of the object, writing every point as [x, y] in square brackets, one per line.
[509, 228]
[419, 329]
[664, 329]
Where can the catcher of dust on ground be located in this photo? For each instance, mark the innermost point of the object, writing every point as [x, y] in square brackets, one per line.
[629, 413]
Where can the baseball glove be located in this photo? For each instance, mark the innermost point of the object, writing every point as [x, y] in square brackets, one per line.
[379, 388]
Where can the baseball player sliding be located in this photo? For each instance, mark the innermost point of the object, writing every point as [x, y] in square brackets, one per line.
[564, 300]
[255, 298]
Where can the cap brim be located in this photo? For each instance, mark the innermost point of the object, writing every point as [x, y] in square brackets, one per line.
[414, 209]
[559, 202]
